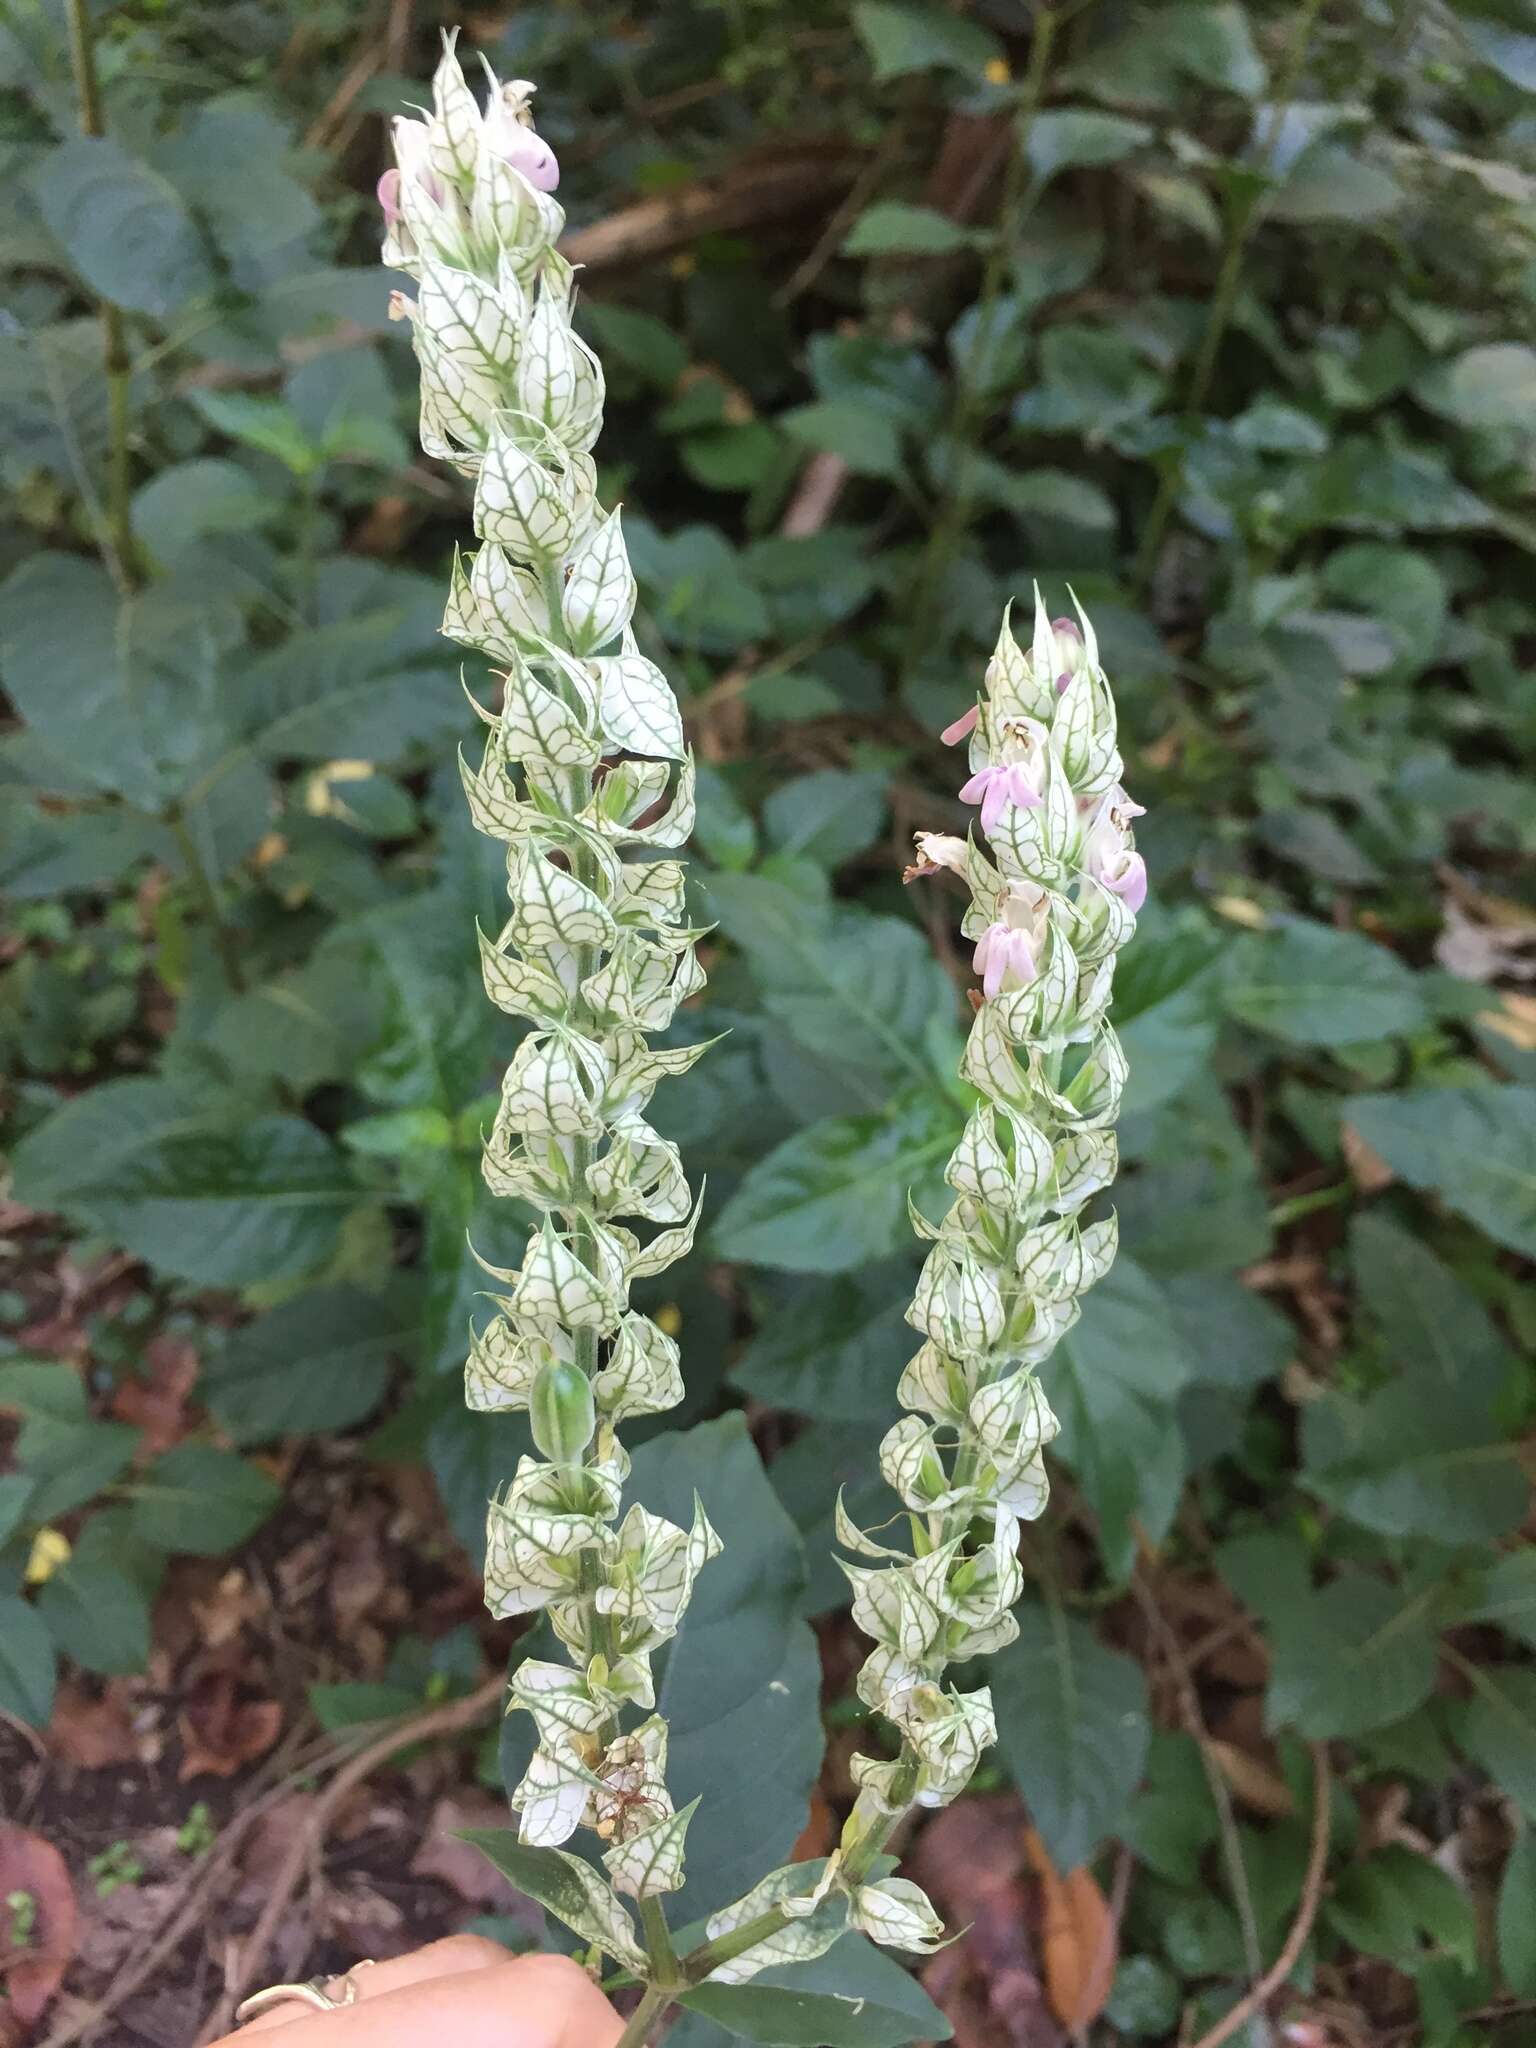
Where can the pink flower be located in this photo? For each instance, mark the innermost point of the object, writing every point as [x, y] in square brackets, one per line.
[1005, 958]
[1112, 861]
[411, 150]
[1066, 631]
[515, 142]
[1003, 782]
[962, 728]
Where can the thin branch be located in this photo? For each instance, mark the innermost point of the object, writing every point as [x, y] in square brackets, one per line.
[117, 541]
[1221, 1797]
[453, 1718]
[1306, 1912]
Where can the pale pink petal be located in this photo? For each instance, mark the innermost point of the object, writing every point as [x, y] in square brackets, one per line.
[975, 789]
[1020, 788]
[389, 196]
[952, 735]
[1132, 883]
[993, 802]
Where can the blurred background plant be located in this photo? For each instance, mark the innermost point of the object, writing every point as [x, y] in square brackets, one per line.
[1219, 312]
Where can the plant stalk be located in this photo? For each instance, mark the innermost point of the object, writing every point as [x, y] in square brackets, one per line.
[117, 541]
[206, 891]
[641, 2026]
[970, 388]
[1242, 217]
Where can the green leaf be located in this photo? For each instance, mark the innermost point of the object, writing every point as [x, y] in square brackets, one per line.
[104, 683]
[98, 1614]
[740, 1685]
[320, 1362]
[861, 993]
[1114, 1380]
[1065, 138]
[188, 501]
[1503, 1593]
[892, 228]
[15, 1489]
[827, 817]
[855, 1996]
[1497, 1729]
[1313, 985]
[1331, 183]
[832, 1348]
[834, 1196]
[1393, 1901]
[1517, 1918]
[1405, 1463]
[200, 1499]
[1404, 589]
[1348, 1659]
[865, 439]
[1474, 1147]
[261, 422]
[1492, 387]
[565, 1886]
[638, 340]
[159, 1172]
[900, 39]
[1073, 1724]
[26, 1662]
[1439, 1336]
[1501, 48]
[1145, 1999]
[122, 226]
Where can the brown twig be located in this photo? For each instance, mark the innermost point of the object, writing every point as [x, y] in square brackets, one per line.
[190, 1904]
[756, 192]
[1194, 1726]
[1306, 1911]
[450, 1719]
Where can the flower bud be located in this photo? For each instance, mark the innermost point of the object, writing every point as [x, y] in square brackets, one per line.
[562, 1412]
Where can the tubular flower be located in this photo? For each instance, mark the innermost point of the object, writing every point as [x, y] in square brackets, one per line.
[1051, 905]
[587, 781]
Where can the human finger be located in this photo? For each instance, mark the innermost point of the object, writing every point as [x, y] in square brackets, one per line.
[527, 2002]
[455, 1956]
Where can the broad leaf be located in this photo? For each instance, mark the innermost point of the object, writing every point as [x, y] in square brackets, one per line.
[1474, 1147]
[1072, 1721]
[855, 1996]
[26, 1662]
[566, 1887]
[1313, 985]
[1351, 1658]
[832, 1348]
[834, 1196]
[201, 1499]
[122, 226]
[741, 1684]
[219, 1203]
[320, 1362]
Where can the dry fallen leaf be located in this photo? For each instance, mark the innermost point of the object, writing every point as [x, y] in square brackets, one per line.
[157, 1401]
[1078, 1938]
[819, 1833]
[970, 1860]
[221, 1731]
[37, 1939]
[92, 1733]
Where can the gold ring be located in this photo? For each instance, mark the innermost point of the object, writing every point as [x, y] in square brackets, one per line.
[313, 1992]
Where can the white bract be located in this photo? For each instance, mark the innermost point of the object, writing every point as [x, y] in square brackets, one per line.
[584, 769]
[1050, 907]
[587, 779]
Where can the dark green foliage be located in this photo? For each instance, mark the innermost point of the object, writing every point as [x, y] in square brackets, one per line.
[1238, 347]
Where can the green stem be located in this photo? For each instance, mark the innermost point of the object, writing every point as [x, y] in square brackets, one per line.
[646, 2017]
[117, 541]
[206, 891]
[665, 1968]
[1242, 217]
[970, 403]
